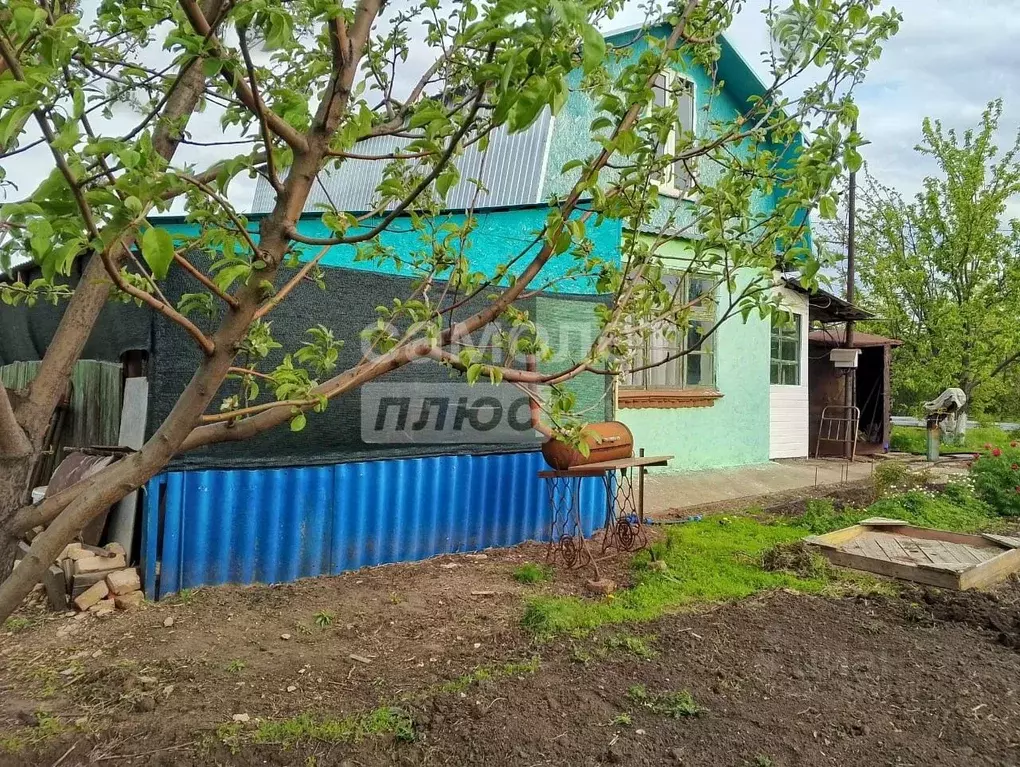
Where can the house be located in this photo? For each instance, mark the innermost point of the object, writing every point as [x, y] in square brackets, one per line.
[731, 402]
[286, 505]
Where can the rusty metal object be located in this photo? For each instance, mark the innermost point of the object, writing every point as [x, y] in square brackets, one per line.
[609, 441]
[73, 469]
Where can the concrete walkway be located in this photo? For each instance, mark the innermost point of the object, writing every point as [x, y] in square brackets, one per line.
[665, 492]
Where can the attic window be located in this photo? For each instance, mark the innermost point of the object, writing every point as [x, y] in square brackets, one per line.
[672, 86]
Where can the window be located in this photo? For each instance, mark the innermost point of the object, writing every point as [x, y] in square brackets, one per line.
[786, 350]
[670, 86]
[696, 368]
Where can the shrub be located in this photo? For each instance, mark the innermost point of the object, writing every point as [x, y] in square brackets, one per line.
[888, 475]
[997, 478]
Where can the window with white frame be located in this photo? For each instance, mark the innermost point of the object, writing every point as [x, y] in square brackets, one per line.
[785, 350]
[686, 357]
[672, 86]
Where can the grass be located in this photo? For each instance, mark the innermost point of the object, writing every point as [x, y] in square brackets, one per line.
[47, 727]
[14, 625]
[529, 572]
[236, 666]
[385, 720]
[483, 673]
[914, 439]
[706, 562]
[675, 705]
[956, 509]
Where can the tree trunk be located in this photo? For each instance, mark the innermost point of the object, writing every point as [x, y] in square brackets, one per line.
[14, 475]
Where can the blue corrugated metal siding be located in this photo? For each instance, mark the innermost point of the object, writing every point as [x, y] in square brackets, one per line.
[273, 525]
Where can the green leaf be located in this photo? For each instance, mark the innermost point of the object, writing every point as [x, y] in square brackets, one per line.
[594, 50]
[297, 423]
[854, 161]
[41, 236]
[158, 251]
[473, 372]
[827, 207]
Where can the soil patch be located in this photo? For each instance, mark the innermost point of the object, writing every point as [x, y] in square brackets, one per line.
[426, 664]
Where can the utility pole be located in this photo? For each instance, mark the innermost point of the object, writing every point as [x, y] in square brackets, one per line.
[850, 386]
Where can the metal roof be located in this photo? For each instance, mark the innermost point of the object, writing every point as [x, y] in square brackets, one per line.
[511, 171]
[827, 307]
[836, 336]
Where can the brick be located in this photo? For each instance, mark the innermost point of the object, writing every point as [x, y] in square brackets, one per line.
[91, 595]
[129, 601]
[97, 564]
[73, 551]
[123, 581]
[115, 548]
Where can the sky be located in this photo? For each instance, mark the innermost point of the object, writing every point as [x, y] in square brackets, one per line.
[950, 58]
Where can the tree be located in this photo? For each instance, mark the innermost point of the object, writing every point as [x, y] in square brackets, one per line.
[943, 271]
[496, 63]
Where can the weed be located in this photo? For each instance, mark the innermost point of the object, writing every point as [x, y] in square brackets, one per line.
[46, 727]
[622, 720]
[675, 705]
[184, 597]
[529, 572]
[634, 645]
[236, 666]
[395, 598]
[230, 735]
[761, 760]
[386, 720]
[14, 625]
[580, 655]
[890, 474]
[482, 673]
[324, 618]
[302, 628]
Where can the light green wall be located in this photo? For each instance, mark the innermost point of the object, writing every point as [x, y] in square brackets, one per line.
[714, 115]
[735, 430]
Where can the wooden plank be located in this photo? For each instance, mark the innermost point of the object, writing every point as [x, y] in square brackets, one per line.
[965, 553]
[992, 571]
[941, 535]
[923, 552]
[930, 577]
[890, 544]
[1003, 540]
[867, 547]
[838, 537]
[883, 522]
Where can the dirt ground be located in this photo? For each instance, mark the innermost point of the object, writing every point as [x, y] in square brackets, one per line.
[925, 678]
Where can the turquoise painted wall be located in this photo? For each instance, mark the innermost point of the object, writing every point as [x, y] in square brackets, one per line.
[499, 236]
[735, 430]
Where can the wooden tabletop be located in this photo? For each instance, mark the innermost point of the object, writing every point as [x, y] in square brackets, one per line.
[595, 469]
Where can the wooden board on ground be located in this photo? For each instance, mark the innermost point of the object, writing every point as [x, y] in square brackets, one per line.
[934, 557]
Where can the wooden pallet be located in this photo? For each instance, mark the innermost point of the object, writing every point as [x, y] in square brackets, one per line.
[935, 557]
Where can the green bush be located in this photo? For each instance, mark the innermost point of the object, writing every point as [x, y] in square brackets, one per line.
[996, 476]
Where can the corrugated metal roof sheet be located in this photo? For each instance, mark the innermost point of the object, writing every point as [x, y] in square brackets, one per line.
[272, 525]
[511, 171]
